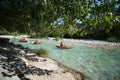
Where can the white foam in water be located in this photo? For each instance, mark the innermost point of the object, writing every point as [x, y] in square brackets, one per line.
[94, 63]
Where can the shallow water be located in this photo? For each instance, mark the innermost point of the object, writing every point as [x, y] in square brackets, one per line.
[94, 63]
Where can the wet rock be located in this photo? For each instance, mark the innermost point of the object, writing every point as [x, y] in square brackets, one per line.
[32, 58]
[44, 60]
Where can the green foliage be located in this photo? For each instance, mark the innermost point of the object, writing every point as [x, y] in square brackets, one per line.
[58, 38]
[112, 39]
[4, 32]
[36, 17]
[103, 20]
[42, 53]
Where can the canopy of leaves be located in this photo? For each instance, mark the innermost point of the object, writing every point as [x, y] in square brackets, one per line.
[37, 17]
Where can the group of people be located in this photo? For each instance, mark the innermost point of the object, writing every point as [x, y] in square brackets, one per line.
[37, 42]
[24, 40]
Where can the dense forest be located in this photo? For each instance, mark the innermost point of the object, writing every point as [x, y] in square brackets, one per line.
[91, 19]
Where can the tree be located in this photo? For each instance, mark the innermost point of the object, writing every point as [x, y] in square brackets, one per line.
[37, 17]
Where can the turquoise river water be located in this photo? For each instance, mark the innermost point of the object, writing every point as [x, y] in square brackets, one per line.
[94, 63]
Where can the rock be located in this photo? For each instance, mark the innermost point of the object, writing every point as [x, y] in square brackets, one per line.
[4, 40]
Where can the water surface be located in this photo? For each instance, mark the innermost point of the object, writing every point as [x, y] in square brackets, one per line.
[94, 63]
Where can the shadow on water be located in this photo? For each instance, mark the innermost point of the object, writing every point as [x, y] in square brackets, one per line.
[10, 60]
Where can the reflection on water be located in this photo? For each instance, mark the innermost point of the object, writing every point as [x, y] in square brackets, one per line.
[94, 63]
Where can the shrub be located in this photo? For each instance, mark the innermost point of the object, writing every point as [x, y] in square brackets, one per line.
[118, 40]
[112, 39]
[42, 53]
[4, 33]
[20, 46]
[58, 38]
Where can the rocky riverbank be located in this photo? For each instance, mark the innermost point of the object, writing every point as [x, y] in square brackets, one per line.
[17, 63]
